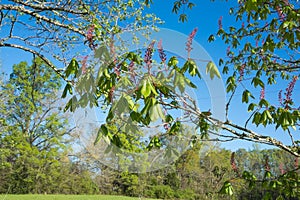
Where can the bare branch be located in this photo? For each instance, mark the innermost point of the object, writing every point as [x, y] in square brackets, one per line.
[37, 54]
[21, 9]
[49, 8]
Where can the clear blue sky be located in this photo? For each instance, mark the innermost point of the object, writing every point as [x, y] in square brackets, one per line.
[204, 16]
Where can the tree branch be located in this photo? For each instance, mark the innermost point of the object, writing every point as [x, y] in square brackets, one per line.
[49, 8]
[58, 71]
[22, 9]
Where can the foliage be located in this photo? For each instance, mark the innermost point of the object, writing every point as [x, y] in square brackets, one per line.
[201, 172]
[67, 197]
[33, 136]
[270, 27]
[270, 174]
[124, 88]
[139, 99]
[56, 30]
[141, 91]
[262, 48]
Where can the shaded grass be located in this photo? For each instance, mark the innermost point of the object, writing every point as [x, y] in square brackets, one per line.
[67, 197]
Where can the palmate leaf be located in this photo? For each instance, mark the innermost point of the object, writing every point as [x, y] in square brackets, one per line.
[212, 69]
[183, 18]
[245, 96]
[148, 2]
[145, 89]
[71, 105]
[102, 52]
[72, 68]
[103, 131]
[156, 113]
[179, 81]
[227, 189]
[67, 89]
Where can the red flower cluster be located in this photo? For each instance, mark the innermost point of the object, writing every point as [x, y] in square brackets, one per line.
[262, 93]
[232, 162]
[289, 91]
[228, 51]
[242, 72]
[280, 97]
[267, 166]
[90, 32]
[286, 2]
[280, 13]
[84, 64]
[220, 22]
[148, 54]
[190, 41]
[282, 171]
[111, 94]
[90, 37]
[162, 54]
[132, 73]
[117, 70]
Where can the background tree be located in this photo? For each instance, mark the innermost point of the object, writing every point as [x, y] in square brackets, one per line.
[35, 133]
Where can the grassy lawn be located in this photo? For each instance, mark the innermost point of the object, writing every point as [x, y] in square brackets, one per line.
[66, 197]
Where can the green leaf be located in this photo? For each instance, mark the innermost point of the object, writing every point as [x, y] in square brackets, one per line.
[192, 67]
[268, 114]
[148, 104]
[72, 103]
[152, 88]
[145, 89]
[245, 96]
[106, 73]
[191, 5]
[251, 107]
[256, 118]
[212, 69]
[102, 52]
[183, 17]
[268, 175]
[135, 116]
[148, 2]
[179, 81]
[267, 196]
[211, 38]
[256, 81]
[72, 68]
[155, 112]
[175, 128]
[227, 189]
[280, 197]
[67, 89]
[263, 103]
[173, 62]
[103, 131]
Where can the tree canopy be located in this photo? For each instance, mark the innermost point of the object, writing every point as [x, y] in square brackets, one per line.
[35, 134]
[143, 93]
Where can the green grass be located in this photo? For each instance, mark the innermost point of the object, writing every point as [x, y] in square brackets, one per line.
[67, 197]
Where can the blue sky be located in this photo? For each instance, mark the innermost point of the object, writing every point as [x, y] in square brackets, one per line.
[205, 17]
